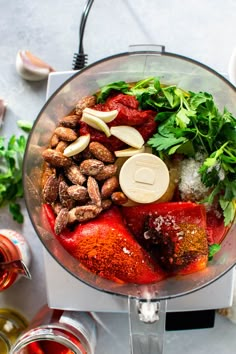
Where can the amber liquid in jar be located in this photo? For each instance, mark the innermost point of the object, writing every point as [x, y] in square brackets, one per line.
[8, 252]
[12, 324]
[13, 246]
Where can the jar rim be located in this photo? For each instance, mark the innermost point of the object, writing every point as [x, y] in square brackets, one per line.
[47, 333]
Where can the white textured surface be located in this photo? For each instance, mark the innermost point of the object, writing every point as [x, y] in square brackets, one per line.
[203, 30]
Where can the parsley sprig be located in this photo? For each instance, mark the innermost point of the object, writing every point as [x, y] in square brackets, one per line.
[191, 122]
[188, 123]
[11, 160]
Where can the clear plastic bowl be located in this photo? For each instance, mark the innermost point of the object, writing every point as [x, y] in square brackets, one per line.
[171, 69]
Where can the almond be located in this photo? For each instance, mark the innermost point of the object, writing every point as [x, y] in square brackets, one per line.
[106, 172]
[51, 189]
[78, 192]
[93, 191]
[54, 141]
[106, 204]
[61, 221]
[48, 170]
[64, 197]
[66, 134]
[56, 158]
[74, 175]
[101, 152]
[57, 207]
[91, 167]
[84, 213]
[109, 186]
[119, 198]
[69, 121]
[61, 146]
[87, 101]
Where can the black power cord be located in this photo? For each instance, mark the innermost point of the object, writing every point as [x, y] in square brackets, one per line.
[80, 58]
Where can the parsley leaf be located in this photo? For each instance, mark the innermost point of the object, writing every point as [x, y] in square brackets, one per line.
[213, 249]
[105, 91]
[11, 161]
[163, 143]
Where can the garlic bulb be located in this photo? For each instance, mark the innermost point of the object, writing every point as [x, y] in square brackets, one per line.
[30, 67]
[2, 110]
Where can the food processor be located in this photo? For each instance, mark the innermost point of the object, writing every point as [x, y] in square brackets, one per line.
[146, 303]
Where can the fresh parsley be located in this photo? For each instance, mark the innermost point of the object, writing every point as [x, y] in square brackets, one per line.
[11, 161]
[189, 123]
[105, 91]
[213, 249]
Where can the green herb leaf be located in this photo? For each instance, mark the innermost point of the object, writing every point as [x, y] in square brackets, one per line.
[121, 86]
[24, 125]
[164, 143]
[213, 249]
[11, 161]
[15, 210]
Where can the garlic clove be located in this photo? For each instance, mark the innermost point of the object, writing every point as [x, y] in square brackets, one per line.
[77, 146]
[96, 123]
[2, 111]
[128, 135]
[129, 152]
[30, 67]
[106, 116]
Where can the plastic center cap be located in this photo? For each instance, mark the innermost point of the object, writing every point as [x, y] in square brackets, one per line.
[144, 178]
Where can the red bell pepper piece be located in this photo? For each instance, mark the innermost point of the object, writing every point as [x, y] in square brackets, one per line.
[174, 233]
[135, 216]
[106, 247]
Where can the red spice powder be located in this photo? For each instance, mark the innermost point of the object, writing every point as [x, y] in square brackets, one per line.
[107, 248]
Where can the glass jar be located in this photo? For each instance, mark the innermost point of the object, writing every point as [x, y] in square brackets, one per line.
[58, 332]
[12, 324]
[13, 246]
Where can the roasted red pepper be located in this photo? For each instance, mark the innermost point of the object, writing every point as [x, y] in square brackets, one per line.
[135, 216]
[174, 233]
[106, 247]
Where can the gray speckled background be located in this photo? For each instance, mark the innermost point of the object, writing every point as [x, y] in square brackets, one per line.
[203, 30]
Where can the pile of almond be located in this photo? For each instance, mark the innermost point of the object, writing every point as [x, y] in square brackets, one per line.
[80, 177]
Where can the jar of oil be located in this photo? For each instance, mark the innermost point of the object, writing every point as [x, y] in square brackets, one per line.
[13, 246]
[12, 324]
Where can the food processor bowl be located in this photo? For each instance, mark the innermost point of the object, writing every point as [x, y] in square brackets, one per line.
[132, 66]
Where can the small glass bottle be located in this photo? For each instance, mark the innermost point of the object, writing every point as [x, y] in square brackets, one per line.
[58, 332]
[13, 246]
[12, 324]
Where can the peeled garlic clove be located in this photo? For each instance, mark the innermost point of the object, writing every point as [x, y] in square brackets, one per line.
[77, 146]
[2, 110]
[96, 123]
[128, 135]
[30, 67]
[107, 116]
[129, 152]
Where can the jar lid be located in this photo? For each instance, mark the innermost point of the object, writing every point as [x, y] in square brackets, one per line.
[144, 178]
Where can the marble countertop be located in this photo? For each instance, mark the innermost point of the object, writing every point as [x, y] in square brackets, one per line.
[202, 30]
